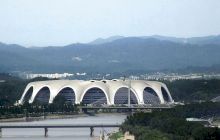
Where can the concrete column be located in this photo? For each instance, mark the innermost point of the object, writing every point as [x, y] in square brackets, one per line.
[102, 135]
[91, 131]
[0, 132]
[45, 132]
[80, 110]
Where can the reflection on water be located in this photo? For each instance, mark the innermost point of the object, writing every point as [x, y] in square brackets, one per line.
[64, 133]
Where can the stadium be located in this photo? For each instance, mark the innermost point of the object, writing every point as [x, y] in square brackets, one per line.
[98, 92]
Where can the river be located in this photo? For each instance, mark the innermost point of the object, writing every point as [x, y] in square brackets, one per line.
[64, 133]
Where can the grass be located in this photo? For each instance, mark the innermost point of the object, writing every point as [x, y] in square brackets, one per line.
[116, 136]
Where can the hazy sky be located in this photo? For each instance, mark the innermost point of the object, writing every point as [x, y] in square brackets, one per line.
[60, 22]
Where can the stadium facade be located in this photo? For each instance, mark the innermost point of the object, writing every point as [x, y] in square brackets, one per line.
[109, 92]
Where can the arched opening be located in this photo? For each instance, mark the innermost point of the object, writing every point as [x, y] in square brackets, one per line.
[66, 95]
[150, 96]
[165, 95]
[28, 95]
[42, 96]
[94, 96]
[121, 96]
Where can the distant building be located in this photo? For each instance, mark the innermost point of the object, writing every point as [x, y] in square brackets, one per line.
[49, 75]
[107, 92]
[205, 122]
[216, 99]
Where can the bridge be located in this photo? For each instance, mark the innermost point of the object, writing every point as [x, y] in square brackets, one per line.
[46, 126]
[125, 107]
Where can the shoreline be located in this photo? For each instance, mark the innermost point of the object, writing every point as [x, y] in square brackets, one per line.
[51, 117]
[30, 119]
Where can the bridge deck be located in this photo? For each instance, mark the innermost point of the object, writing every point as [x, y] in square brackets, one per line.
[124, 107]
[60, 126]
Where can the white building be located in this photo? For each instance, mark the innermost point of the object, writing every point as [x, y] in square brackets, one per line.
[108, 92]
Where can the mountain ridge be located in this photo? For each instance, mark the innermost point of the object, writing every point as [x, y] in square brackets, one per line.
[212, 39]
[120, 55]
[203, 40]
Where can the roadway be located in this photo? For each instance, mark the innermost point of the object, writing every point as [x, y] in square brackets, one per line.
[59, 125]
[125, 107]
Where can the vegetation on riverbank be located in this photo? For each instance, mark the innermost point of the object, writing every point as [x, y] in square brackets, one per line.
[28, 110]
[116, 136]
[171, 124]
[194, 90]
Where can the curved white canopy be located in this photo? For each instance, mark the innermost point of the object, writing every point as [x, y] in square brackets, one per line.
[109, 88]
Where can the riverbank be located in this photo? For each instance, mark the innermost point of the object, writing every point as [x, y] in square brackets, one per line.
[54, 116]
[39, 118]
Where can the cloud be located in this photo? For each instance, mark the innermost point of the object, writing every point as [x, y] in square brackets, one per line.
[77, 58]
[113, 61]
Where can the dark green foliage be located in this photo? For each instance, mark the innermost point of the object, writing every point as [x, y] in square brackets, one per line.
[11, 88]
[198, 110]
[172, 124]
[36, 110]
[194, 90]
[59, 99]
[145, 133]
[116, 135]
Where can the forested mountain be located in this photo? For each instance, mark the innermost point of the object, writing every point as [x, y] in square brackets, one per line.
[120, 55]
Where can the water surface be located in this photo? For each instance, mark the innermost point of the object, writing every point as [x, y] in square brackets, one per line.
[64, 133]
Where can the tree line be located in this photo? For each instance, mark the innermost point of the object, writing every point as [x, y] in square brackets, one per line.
[194, 90]
[36, 110]
[171, 124]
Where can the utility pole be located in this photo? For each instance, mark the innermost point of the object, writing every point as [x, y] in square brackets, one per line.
[129, 93]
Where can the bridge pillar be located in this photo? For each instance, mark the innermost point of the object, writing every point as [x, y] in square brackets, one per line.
[0, 132]
[45, 132]
[91, 131]
[80, 110]
[102, 135]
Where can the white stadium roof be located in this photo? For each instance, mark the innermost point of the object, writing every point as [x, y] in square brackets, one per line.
[97, 91]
